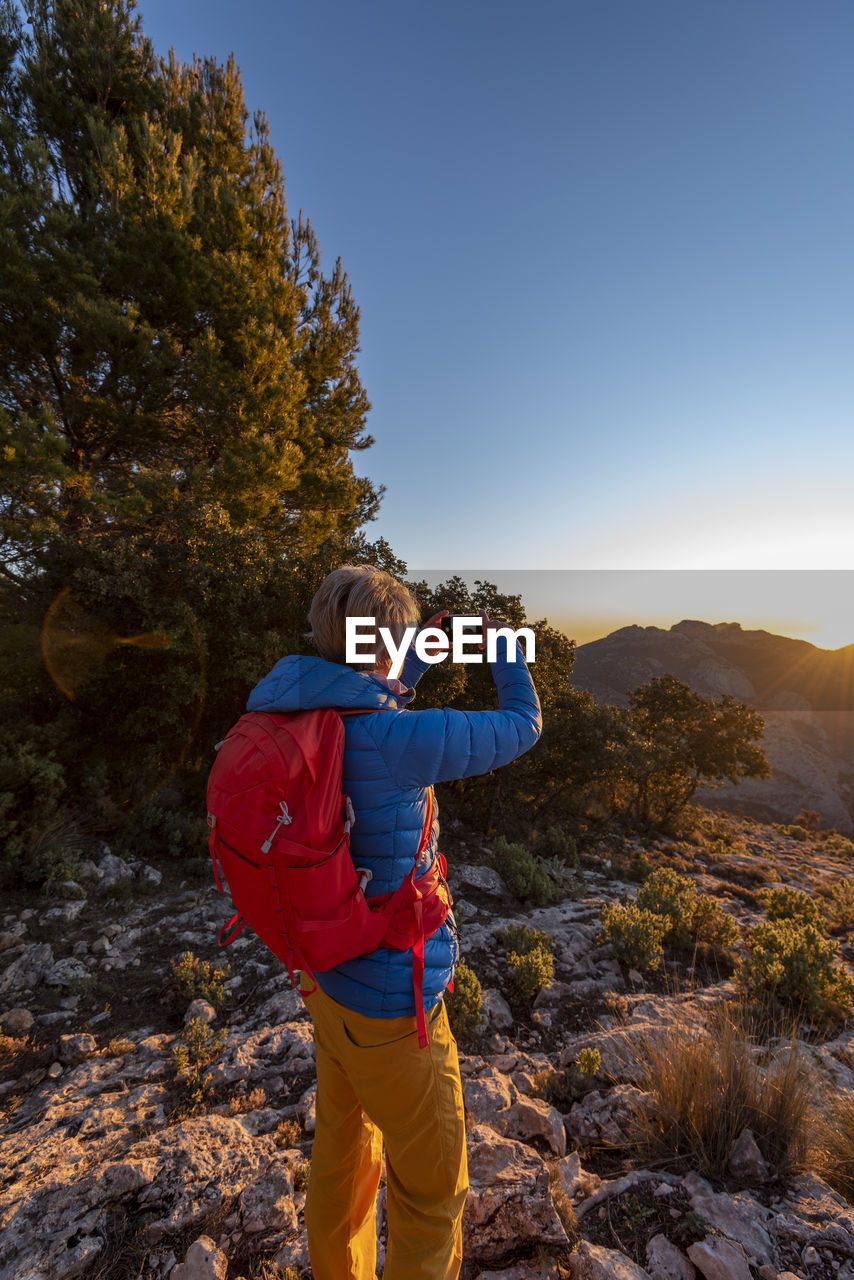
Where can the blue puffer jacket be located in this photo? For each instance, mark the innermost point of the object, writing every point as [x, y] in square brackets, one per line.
[390, 761]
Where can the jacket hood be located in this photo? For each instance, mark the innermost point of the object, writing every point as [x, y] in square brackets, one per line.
[300, 683]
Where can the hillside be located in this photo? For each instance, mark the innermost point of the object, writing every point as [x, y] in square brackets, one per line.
[117, 1166]
[806, 695]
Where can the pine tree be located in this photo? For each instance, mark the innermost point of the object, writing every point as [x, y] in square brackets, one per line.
[179, 392]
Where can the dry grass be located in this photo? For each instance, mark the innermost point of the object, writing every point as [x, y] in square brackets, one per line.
[708, 1086]
[832, 1155]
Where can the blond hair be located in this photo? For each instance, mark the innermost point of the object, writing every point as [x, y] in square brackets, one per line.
[359, 591]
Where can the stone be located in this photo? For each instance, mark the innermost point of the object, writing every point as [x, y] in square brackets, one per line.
[267, 1203]
[496, 1012]
[201, 1009]
[308, 1109]
[486, 1096]
[72, 1049]
[719, 1259]
[665, 1262]
[746, 1160]
[534, 1118]
[64, 972]
[28, 969]
[509, 1205]
[738, 1216]
[203, 1261]
[575, 1180]
[17, 1022]
[485, 879]
[595, 1262]
[607, 1118]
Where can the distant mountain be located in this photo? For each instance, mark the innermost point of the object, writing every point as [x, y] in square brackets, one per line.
[805, 694]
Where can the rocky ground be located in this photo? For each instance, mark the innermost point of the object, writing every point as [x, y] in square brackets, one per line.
[109, 1171]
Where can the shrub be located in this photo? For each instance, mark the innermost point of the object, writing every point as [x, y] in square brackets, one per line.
[465, 1004]
[840, 908]
[838, 843]
[711, 923]
[530, 972]
[672, 896]
[792, 904]
[562, 877]
[588, 1061]
[635, 934]
[288, 1133]
[522, 939]
[707, 1087]
[523, 873]
[796, 832]
[794, 963]
[197, 1049]
[194, 979]
[240, 1103]
[558, 845]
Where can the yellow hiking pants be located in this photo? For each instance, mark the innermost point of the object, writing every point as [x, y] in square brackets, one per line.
[375, 1084]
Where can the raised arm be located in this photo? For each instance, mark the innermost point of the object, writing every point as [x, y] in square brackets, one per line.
[423, 747]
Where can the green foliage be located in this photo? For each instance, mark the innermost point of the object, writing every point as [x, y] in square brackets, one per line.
[673, 897]
[682, 739]
[530, 972]
[522, 939]
[691, 917]
[523, 873]
[179, 413]
[194, 1053]
[795, 964]
[557, 844]
[840, 908]
[792, 904]
[588, 1061]
[712, 924]
[635, 933]
[465, 1004]
[838, 843]
[191, 978]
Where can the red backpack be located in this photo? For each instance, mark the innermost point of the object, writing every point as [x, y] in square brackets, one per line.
[280, 833]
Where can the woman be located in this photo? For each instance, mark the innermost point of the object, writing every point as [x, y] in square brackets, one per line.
[375, 1084]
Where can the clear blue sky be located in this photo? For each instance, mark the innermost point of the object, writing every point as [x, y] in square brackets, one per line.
[604, 254]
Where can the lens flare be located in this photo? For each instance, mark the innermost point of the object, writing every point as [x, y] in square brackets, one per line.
[74, 644]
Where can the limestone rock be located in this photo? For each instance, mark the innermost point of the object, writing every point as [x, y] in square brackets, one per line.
[17, 1022]
[746, 1160]
[738, 1216]
[74, 1049]
[509, 1205]
[496, 1011]
[575, 1180]
[595, 1262]
[267, 1203]
[483, 878]
[204, 1261]
[607, 1117]
[719, 1259]
[487, 1096]
[532, 1117]
[28, 969]
[201, 1009]
[665, 1262]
